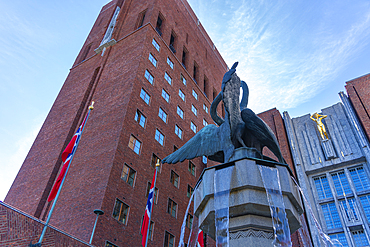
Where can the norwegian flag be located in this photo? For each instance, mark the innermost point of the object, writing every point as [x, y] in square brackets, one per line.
[148, 211]
[66, 158]
[200, 241]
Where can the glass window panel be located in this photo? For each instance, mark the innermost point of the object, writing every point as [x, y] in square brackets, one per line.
[194, 110]
[178, 131]
[155, 44]
[168, 78]
[195, 94]
[180, 112]
[159, 137]
[169, 62]
[322, 187]
[182, 95]
[165, 95]
[359, 238]
[341, 183]
[145, 96]
[365, 202]
[193, 127]
[152, 59]
[162, 115]
[182, 78]
[359, 178]
[149, 77]
[331, 215]
[341, 237]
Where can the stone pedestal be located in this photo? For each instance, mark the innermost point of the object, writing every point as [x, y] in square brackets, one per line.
[250, 222]
[327, 147]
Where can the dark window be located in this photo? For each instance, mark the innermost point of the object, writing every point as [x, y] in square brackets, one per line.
[187, 38]
[169, 240]
[190, 191]
[189, 221]
[195, 72]
[174, 179]
[155, 199]
[141, 18]
[175, 148]
[184, 57]
[191, 168]
[155, 158]
[120, 211]
[159, 25]
[87, 50]
[150, 228]
[214, 94]
[205, 86]
[172, 42]
[128, 174]
[172, 207]
[109, 244]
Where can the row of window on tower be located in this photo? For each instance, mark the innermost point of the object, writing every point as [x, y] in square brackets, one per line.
[336, 197]
[121, 210]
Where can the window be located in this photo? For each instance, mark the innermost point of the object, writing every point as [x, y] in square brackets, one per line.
[349, 209]
[205, 108]
[172, 42]
[168, 78]
[184, 57]
[175, 148]
[322, 187]
[162, 115]
[155, 44]
[331, 215]
[145, 96]
[141, 18]
[150, 235]
[128, 174]
[182, 95]
[194, 110]
[182, 78]
[159, 25]
[169, 62]
[190, 191]
[214, 93]
[193, 127]
[134, 144]
[204, 159]
[169, 240]
[154, 160]
[139, 117]
[205, 86]
[365, 202]
[155, 199]
[360, 238]
[180, 112]
[159, 137]
[191, 168]
[178, 131]
[165, 95]
[195, 94]
[189, 221]
[205, 123]
[341, 237]
[152, 59]
[172, 207]
[341, 183]
[195, 72]
[120, 211]
[360, 178]
[109, 244]
[149, 77]
[174, 179]
[87, 49]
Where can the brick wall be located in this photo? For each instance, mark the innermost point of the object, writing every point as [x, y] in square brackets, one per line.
[19, 229]
[358, 91]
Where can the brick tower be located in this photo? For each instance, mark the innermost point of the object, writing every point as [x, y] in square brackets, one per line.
[153, 72]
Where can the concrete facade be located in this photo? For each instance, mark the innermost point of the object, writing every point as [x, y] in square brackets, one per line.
[333, 173]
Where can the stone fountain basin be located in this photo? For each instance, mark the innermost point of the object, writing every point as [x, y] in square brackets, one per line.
[248, 204]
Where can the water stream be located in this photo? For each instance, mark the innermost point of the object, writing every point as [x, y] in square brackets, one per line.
[324, 237]
[222, 180]
[271, 181]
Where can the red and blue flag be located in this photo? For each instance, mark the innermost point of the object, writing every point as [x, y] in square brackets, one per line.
[66, 158]
[148, 211]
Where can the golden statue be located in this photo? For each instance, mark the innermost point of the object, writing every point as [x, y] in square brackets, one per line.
[320, 126]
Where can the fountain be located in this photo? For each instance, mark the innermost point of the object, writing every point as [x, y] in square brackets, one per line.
[249, 199]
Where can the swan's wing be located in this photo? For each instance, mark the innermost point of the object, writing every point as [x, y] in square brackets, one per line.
[205, 142]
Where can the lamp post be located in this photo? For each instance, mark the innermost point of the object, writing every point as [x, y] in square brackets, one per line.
[97, 212]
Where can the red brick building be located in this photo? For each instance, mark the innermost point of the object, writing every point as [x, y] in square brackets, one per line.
[358, 91]
[153, 72]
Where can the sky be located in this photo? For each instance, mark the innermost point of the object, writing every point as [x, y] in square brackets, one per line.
[295, 55]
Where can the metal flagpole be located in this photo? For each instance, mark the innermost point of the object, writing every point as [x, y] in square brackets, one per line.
[61, 184]
[151, 210]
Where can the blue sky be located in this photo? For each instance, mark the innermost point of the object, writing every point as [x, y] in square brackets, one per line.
[294, 55]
